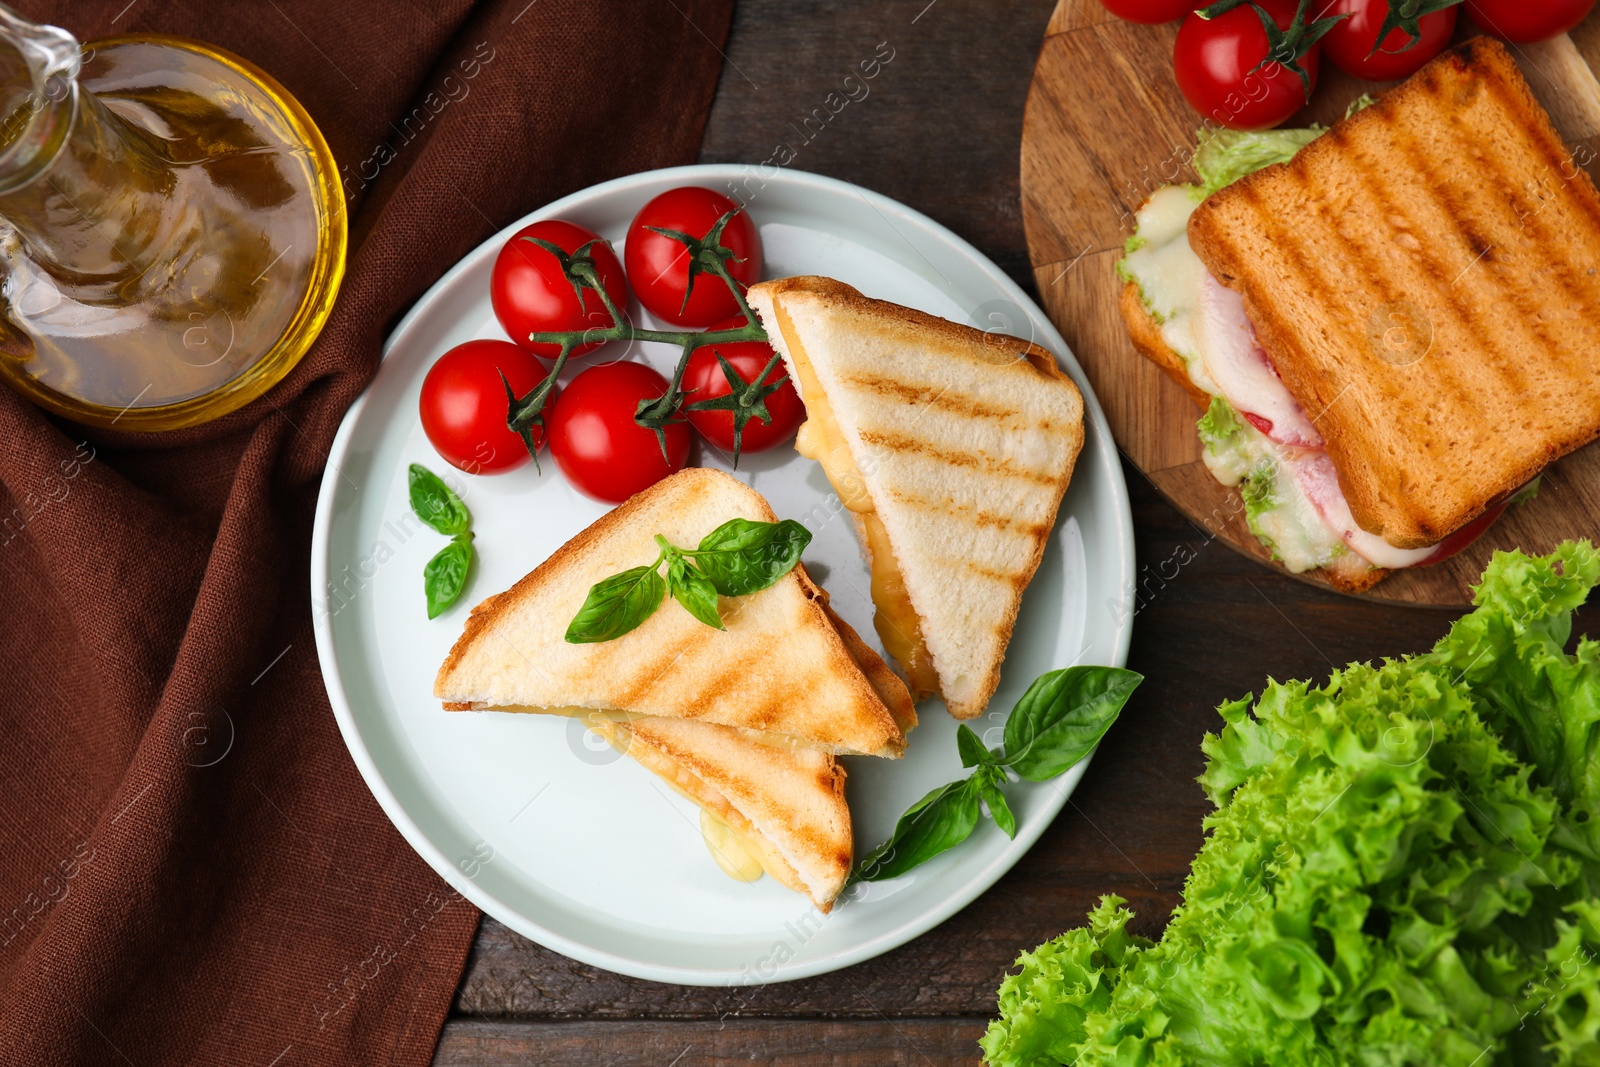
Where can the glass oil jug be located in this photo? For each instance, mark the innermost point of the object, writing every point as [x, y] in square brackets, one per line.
[172, 230]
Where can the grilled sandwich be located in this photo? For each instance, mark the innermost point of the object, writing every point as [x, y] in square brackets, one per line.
[1391, 326]
[781, 666]
[744, 721]
[765, 808]
[951, 448]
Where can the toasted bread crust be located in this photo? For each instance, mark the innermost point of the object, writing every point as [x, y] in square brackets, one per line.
[802, 831]
[1422, 276]
[893, 315]
[891, 690]
[1148, 340]
[1146, 336]
[1359, 584]
[670, 640]
[886, 319]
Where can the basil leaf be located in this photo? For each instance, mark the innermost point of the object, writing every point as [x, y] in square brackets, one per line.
[1062, 716]
[694, 591]
[617, 605]
[989, 779]
[742, 556]
[942, 819]
[436, 504]
[970, 745]
[446, 574]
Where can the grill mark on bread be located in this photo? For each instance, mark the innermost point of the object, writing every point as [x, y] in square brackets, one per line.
[651, 672]
[1543, 231]
[943, 398]
[1460, 208]
[976, 516]
[898, 442]
[1004, 577]
[720, 683]
[1450, 209]
[1310, 278]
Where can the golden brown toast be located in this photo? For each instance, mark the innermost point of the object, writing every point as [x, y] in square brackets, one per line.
[951, 447]
[1426, 278]
[786, 803]
[782, 665]
[1146, 335]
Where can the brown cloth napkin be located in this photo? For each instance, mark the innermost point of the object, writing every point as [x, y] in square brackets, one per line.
[191, 869]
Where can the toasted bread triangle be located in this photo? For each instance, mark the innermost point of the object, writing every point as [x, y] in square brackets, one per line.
[785, 802]
[964, 442]
[780, 666]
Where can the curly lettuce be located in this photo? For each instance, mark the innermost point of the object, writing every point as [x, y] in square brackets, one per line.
[1403, 869]
[1225, 156]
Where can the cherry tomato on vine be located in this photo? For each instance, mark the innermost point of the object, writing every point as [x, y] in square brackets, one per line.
[530, 293]
[704, 379]
[464, 405]
[1150, 11]
[595, 441]
[1348, 45]
[1524, 21]
[658, 265]
[1216, 60]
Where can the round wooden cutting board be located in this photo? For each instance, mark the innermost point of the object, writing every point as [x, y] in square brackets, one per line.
[1105, 126]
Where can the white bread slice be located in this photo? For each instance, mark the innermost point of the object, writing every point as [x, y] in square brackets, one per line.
[781, 665]
[963, 442]
[786, 803]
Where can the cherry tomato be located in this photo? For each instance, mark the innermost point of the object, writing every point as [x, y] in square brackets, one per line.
[704, 379]
[464, 405]
[1216, 60]
[1524, 21]
[1151, 11]
[1348, 45]
[597, 444]
[531, 294]
[658, 266]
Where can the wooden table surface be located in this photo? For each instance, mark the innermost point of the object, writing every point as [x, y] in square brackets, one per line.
[940, 131]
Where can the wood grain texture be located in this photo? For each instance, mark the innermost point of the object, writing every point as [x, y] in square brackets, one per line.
[1105, 126]
[881, 1043]
[1211, 624]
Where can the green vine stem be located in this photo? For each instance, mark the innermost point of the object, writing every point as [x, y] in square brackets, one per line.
[708, 256]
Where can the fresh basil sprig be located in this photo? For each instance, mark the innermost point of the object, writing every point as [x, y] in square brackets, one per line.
[436, 504]
[742, 556]
[1057, 722]
[737, 558]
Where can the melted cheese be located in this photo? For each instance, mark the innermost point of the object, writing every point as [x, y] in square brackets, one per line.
[895, 619]
[819, 439]
[732, 854]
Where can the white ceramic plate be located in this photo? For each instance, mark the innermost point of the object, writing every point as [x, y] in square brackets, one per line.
[543, 826]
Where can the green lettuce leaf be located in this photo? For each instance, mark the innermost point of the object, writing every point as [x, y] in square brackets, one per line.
[1401, 869]
[1225, 156]
[1223, 433]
